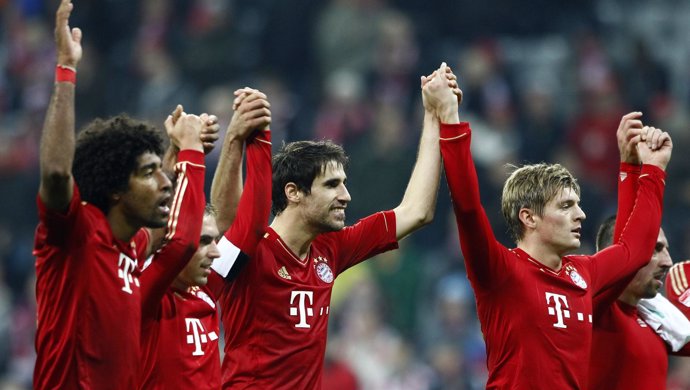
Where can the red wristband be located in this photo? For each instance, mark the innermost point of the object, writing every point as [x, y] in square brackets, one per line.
[65, 74]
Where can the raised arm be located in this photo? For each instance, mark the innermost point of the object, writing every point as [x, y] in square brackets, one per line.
[252, 111]
[484, 257]
[208, 136]
[58, 139]
[636, 243]
[419, 202]
[239, 242]
[628, 135]
[186, 216]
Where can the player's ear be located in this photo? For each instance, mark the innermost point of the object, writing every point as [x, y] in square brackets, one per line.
[292, 193]
[528, 218]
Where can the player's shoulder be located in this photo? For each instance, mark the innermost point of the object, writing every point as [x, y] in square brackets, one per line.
[677, 277]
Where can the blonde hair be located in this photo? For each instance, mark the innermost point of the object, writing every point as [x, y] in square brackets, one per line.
[533, 186]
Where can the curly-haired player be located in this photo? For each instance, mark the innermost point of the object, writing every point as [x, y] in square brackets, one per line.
[95, 196]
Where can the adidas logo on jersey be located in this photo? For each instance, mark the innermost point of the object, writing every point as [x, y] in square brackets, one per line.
[282, 272]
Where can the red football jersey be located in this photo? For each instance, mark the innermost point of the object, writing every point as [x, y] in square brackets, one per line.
[537, 322]
[678, 288]
[275, 313]
[188, 355]
[183, 350]
[88, 301]
[184, 228]
[626, 353]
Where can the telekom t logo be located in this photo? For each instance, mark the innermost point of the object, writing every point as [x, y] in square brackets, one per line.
[125, 266]
[559, 309]
[196, 334]
[301, 309]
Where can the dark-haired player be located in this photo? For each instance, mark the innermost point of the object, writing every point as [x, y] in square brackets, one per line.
[96, 194]
[275, 313]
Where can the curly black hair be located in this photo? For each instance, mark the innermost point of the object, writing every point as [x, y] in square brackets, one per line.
[106, 155]
[300, 162]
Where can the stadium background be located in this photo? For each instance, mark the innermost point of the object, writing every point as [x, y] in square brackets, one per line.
[543, 81]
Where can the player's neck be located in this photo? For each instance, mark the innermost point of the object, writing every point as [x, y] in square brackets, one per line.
[122, 229]
[179, 285]
[294, 233]
[629, 298]
[542, 254]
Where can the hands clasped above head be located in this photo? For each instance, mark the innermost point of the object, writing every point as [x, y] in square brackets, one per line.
[252, 112]
[638, 143]
[655, 147]
[441, 94]
[185, 129]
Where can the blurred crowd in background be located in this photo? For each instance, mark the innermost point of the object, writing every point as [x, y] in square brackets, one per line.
[542, 81]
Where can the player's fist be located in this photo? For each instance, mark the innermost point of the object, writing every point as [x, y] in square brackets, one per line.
[655, 147]
[185, 129]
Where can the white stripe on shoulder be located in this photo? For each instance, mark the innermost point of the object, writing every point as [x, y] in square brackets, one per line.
[228, 255]
[148, 262]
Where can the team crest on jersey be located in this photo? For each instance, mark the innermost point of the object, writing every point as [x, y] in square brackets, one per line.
[575, 276]
[641, 323]
[684, 298]
[202, 295]
[323, 271]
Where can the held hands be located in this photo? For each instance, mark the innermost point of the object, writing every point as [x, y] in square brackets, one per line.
[185, 130]
[68, 40]
[209, 133]
[252, 112]
[441, 95]
[655, 147]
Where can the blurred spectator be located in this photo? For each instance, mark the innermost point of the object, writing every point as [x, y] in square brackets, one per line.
[679, 374]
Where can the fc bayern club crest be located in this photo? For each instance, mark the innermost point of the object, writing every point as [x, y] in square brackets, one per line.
[324, 272]
[577, 279]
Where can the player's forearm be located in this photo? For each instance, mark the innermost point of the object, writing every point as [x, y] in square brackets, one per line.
[640, 233]
[627, 190]
[419, 201]
[57, 148]
[255, 203]
[477, 240]
[226, 188]
[461, 173]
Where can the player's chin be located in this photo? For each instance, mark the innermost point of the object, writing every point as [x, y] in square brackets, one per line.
[201, 281]
[337, 225]
[651, 292]
[158, 221]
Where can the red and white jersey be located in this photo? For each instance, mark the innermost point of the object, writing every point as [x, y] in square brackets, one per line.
[275, 313]
[182, 236]
[626, 353]
[88, 297]
[188, 355]
[182, 350]
[537, 322]
[678, 288]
